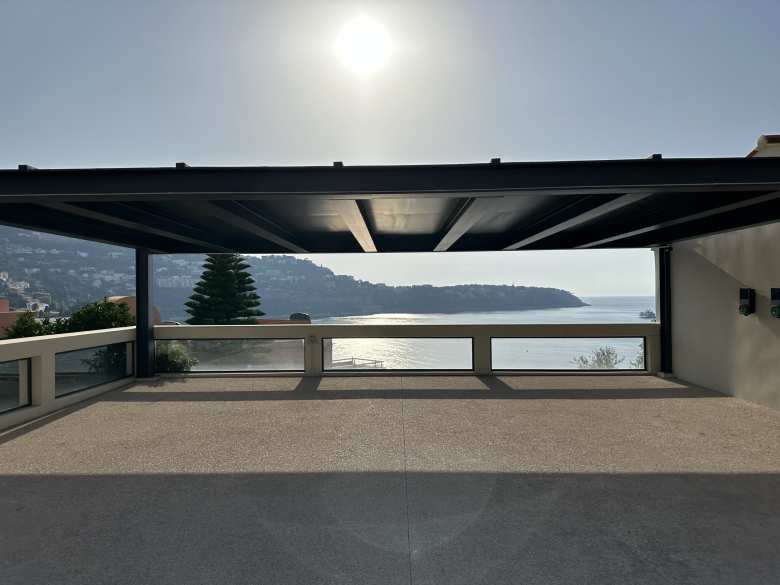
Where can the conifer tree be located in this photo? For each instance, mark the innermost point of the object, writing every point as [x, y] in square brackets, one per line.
[225, 293]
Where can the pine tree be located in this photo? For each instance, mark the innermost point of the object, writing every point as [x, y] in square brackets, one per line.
[225, 293]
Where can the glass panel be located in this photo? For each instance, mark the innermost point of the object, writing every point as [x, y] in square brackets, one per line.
[571, 353]
[397, 353]
[14, 385]
[84, 368]
[230, 355]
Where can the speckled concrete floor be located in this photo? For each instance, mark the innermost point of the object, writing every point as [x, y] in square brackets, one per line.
[384, 480]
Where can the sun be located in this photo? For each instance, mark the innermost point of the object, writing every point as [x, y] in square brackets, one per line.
[364, 46]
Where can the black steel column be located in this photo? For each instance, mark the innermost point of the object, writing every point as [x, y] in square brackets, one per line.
[665, 306]
[144, 327]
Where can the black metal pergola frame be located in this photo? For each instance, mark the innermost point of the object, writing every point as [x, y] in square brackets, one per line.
[336, 209]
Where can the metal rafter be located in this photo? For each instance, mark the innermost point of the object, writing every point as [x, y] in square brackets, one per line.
[682, 220]
[145, 223]
[241, 217]
[350, 212]
[52, 221]
[465, 218]
[586, 216]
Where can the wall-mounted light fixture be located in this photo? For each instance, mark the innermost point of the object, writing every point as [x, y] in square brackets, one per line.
[747, 301]
[774, 303]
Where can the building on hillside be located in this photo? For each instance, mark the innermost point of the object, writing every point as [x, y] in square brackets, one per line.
[130, 301]
[7, 316]
[38, 308]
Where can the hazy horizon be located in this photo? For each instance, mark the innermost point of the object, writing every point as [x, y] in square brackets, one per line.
[582, 272]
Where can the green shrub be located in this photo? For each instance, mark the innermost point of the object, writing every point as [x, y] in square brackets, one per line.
[638, 362]
[173, 357]
[25, 326]
[603, 358]
[110, 360]
[100, 315]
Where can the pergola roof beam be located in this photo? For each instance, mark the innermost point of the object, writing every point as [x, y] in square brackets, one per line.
[241, 217]
[465, 218]
[350, 212]
[144, 223]
[458, 180]
[590, 215]
[737, 219]
[682, 220]
[534, 205]
[52, 221]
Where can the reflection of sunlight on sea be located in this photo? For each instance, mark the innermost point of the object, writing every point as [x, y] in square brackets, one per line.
[599, 310]
[405, 353]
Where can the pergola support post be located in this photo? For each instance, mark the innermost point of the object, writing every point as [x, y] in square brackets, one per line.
[144, 328]
[664, 301]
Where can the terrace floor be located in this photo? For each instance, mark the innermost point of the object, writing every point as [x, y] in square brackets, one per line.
[385, 480]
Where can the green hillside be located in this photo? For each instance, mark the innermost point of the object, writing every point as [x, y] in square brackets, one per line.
[75, 272]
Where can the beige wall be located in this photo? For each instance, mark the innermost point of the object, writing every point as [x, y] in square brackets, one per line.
[712, 344]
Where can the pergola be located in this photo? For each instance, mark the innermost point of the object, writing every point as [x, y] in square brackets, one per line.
[422, 208]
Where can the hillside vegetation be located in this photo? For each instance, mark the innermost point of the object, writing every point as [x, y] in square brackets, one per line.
[76, 272]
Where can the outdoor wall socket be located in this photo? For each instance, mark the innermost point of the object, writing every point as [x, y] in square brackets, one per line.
[774, 303]
[747, 301]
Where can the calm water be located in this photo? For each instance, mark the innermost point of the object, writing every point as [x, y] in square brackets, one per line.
[507, 354]
[423, 354]
[601, 310]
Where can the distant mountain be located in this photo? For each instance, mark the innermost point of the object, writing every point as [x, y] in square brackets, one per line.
[287, 284]
[61, 271]
[75, 272]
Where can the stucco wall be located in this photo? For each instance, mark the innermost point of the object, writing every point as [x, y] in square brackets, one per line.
[712, 344]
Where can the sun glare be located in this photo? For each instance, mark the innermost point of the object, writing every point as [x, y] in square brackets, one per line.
[364, 46]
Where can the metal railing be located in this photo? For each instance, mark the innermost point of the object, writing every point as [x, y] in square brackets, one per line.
[481, 337]
[357, 363]
[42, 374]
[306, 343]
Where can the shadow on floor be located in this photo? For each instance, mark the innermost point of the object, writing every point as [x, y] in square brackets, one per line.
[487, 387]
[388, 528]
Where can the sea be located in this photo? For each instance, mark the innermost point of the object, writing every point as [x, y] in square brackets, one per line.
[536, 354]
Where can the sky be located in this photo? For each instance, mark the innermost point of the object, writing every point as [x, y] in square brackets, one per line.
[583, 272]
[109, 83]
